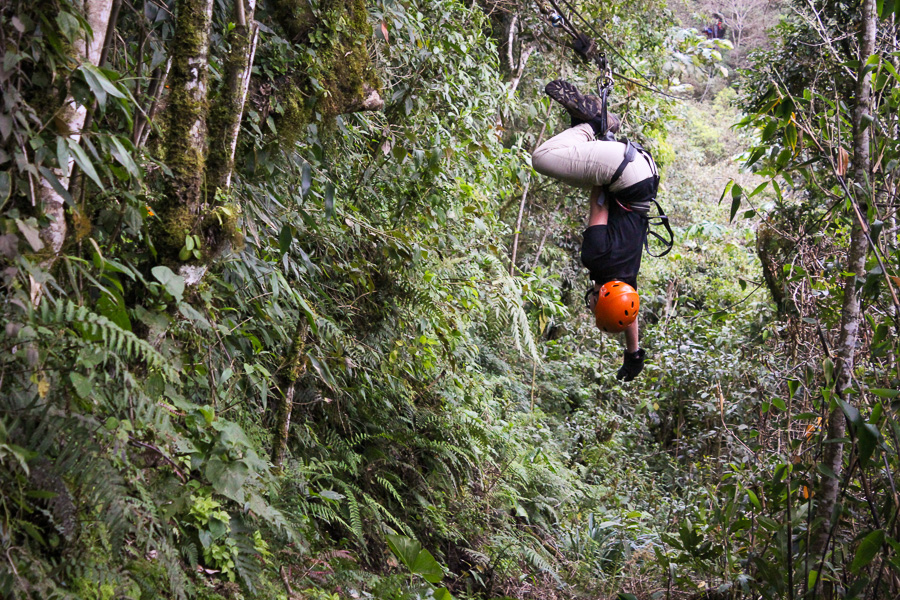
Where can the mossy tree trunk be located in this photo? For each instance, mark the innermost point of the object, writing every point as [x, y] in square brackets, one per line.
[186, 128]
[86, 48]
[850, 313]
[225, 120]
[293, 368]
[342, 46]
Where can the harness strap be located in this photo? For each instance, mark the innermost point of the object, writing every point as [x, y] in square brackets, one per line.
[663, 220]
[630, 152]
[604, 120]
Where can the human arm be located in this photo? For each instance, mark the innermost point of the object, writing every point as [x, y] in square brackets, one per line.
[599, 214]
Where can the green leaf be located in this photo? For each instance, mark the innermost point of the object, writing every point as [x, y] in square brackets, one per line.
[442, 594]
[173, 283]
[426, 566]
[779, 404]
[851, 411]
[305, 179]
[868, 550]
[885, 393]
[758, 189]
[112, 306]
[868, 438]
[736, 191]
[95, 85]
[101, 80]
[5, 186]
[284, 239]
[82, 384]
[754, 499]
[227, 478]
[310, 315]
[57, 186]
[790, 136]
[877, 411]
[404, 548]
[418, 560]
[331, 495]
[828, 367]
[84, 162]
[69, 26]
[727, 189]
[31, 234]
[123, 156]
[826, 471]
[329, 200]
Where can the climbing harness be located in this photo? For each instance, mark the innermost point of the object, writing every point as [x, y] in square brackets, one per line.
[632, 149]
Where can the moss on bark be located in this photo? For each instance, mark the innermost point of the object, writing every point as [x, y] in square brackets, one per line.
[186, 208]
[225, 115]
[185, 118]
[292, 370]
[339, 77]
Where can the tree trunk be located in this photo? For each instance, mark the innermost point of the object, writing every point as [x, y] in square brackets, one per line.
[523, 59]
[186, 130]
[352, 83]
[229, 106]
[293, 368]
[850, 312]
[71, 122]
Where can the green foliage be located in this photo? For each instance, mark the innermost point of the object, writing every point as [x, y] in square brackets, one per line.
[434, 396]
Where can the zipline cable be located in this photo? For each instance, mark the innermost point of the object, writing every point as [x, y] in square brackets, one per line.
[571, 31]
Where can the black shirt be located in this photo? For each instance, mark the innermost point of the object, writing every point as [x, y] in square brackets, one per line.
[613, 251]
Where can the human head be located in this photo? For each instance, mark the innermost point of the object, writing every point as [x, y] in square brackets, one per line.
[617, 306]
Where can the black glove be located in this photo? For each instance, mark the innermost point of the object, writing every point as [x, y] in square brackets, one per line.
[633, 365]
[584, 46]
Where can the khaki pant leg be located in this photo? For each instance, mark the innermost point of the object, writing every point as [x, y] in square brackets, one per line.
[574, 157]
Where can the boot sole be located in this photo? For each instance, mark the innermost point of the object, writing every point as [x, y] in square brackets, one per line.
[578, 105]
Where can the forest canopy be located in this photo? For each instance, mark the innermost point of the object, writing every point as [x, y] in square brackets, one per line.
[288, 313]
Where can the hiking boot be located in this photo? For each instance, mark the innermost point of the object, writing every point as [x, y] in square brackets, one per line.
[580, 106]
[632, 365]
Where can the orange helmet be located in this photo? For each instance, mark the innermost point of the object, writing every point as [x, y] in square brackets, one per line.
[617, 306]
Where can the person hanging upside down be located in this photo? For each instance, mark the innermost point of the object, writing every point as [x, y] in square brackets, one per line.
[623, 179]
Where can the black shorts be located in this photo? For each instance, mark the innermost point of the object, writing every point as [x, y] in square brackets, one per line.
[613, 251]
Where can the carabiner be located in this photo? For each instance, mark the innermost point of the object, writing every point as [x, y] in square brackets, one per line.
[604, 84]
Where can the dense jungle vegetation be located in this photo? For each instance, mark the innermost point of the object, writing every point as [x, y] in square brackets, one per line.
[287, 314]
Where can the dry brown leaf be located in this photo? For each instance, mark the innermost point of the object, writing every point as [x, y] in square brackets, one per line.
[843, 160]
